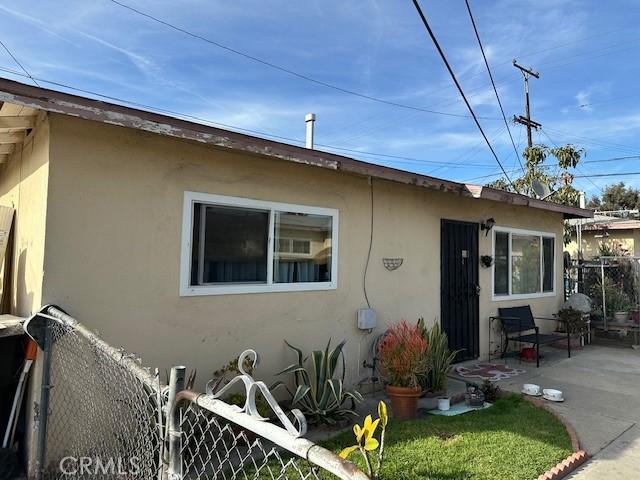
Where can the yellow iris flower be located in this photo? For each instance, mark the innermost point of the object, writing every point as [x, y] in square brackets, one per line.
[364, 437]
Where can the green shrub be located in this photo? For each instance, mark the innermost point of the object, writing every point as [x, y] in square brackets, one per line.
[239, 399]
[615, 297]
[319, 389]
[572, 321]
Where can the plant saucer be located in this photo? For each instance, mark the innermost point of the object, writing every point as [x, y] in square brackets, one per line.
[531, 394]
[553, 399]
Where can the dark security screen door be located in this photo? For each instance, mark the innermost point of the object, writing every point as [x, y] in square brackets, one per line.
[459, 292]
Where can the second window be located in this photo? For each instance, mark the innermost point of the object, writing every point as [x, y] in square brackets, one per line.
[523, 263]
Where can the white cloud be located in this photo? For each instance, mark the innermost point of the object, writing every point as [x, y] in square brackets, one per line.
[583, 97]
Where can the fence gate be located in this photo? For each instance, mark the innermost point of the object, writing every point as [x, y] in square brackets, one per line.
[102, 415]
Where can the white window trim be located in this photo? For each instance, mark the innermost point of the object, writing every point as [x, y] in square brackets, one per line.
[523, 296]
[187, 290]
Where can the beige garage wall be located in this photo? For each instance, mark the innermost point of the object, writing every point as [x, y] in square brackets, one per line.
[113, 249]
[23, 186]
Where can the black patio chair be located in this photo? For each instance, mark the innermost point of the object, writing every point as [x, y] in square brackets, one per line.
[519, 322]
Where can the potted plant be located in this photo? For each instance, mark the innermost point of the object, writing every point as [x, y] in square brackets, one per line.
[403, 359]
[618, 304]
[623, 306]
[486, 261]
[439, 359]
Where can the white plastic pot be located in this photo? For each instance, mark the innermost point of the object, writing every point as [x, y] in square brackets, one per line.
[444, 403]
[621, 316]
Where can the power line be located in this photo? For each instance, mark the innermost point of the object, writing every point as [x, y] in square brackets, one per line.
[577, 166]
[280, 137]
[554, 64]
[455, 80]
[602, 160]
[506, 80]
[600, 143]
[152, 108]
[288, 71]
[495, 90]
[591, 175]
[18, 62]
[614, 159]
[600, 175]
[600, 102]
[400, 157]
[602, 52]
[240, 129]
[308, 78]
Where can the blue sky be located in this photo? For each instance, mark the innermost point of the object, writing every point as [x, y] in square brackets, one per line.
[586, 52]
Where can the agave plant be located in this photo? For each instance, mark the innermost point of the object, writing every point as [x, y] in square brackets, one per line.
[319, 389]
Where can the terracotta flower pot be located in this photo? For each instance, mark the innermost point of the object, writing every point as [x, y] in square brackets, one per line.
[404, 401]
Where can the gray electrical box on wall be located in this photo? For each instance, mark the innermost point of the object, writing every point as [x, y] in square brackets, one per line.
[367, 319]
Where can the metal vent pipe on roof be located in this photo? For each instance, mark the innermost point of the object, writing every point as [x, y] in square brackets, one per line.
[310, 120]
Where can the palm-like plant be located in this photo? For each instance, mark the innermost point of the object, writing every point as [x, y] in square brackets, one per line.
[439, 357]
[319, 390]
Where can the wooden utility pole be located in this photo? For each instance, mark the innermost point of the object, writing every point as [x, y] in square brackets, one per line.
[526, 120]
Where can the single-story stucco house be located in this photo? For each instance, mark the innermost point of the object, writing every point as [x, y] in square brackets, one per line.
[614, 234]
[187, 243]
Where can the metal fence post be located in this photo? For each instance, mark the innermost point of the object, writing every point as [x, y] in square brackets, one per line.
[173, 432]
[604, 296]
[43, 412]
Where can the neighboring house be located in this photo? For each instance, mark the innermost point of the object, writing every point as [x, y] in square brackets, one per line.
[616, 235]
[187, 243]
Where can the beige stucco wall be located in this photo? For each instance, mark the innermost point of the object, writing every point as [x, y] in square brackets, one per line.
[618, 240]
[23, 186]
[113, 249]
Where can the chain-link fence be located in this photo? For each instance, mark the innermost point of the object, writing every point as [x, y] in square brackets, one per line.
[104, 416]
[100, 410]
[613, 285]
[215, 442]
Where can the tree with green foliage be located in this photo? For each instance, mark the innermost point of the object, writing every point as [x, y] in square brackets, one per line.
[558, 177]
[616, 197]
[559, 180]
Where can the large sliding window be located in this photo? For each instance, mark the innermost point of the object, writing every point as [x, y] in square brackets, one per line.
[239, 245]
[524, 264]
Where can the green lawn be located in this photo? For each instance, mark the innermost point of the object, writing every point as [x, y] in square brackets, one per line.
[511, 440]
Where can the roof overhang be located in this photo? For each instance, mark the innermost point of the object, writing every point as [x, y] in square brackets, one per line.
[16, 122]
[124, 116]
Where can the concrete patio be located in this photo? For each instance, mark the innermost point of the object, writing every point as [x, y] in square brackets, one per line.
[601, 387]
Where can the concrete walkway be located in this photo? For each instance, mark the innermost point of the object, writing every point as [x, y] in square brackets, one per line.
[601, 387]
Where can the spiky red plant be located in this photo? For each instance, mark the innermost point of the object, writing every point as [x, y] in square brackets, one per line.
[402, 355]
